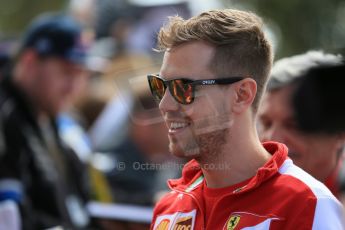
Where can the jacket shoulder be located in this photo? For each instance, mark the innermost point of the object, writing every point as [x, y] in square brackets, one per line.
[296, 178]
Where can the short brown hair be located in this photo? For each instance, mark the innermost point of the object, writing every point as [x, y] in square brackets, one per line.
[241, 46]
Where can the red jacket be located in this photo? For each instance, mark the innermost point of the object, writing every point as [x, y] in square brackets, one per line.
[279, 196]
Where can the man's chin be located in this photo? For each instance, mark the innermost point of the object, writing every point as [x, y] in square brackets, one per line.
[181, 153]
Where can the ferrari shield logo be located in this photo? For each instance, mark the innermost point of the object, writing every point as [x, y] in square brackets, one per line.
[232, 222]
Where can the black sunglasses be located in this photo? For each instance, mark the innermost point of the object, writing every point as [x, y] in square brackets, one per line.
[183, 90]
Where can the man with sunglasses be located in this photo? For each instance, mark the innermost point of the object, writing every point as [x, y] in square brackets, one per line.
[214, 72]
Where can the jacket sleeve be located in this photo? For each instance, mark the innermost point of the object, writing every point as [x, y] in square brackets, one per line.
[11, 162]
[329, 214]
[322, 213]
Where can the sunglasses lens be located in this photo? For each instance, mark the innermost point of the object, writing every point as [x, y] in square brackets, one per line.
[182, 91]
[157, 87]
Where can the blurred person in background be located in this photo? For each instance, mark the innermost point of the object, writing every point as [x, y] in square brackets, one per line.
[319, 154]
[4, 58]
[214, 73]
[4, 61]
[125, 34]
[38, 172]
[318, 101]
[138, 165]
[134, 157]
[144, 143]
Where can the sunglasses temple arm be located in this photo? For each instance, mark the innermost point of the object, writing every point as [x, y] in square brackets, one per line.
[217, 81]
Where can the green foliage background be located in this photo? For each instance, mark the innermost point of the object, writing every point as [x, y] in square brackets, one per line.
[15, 15]
[298, 25]
[301, 25]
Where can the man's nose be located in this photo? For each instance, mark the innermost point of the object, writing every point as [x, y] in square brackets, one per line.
[168, 103]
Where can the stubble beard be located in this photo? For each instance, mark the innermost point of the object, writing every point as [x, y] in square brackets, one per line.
[211, 146]
[205, 144]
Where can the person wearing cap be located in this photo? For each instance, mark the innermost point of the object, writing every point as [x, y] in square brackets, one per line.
[38, 172]
[319, 154]
[214, 72]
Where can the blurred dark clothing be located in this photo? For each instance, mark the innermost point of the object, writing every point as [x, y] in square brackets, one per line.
[51, 181]
[5, 61]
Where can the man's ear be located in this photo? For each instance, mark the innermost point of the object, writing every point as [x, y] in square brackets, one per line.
[245, 92]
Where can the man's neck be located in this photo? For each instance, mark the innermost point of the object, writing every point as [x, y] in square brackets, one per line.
[236, 163]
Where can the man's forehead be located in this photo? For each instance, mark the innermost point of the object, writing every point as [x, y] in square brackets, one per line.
[187, 60]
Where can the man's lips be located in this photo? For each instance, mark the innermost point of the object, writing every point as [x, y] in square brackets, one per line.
[177, 126]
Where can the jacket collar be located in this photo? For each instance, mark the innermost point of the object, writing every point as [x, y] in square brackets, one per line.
[192, 176]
